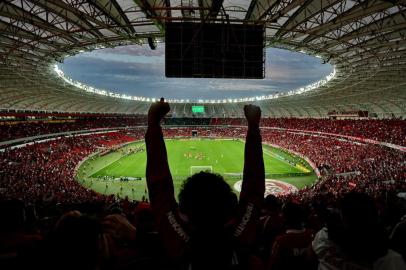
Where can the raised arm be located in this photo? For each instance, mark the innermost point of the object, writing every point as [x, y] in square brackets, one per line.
[159, 179]
[160, 185]
[253, 186]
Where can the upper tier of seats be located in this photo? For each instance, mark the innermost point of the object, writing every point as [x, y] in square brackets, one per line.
[391, 131]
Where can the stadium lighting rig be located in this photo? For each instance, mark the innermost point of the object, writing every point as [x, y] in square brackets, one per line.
[109, 93]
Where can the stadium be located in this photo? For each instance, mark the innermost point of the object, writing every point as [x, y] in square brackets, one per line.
[309, 177]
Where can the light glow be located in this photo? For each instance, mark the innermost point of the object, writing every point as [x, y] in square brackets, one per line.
[108, 93]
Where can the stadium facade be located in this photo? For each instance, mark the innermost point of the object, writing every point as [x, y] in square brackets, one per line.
[364, 40]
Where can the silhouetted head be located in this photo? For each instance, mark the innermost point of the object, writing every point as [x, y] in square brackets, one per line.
[272, 203]
[75, 242]
[207, 200]
[363, 237]
[13, 215]
[293, 215]
[358, 210]
[210, 204]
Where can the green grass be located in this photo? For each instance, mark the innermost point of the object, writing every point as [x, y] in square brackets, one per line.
[225, 157]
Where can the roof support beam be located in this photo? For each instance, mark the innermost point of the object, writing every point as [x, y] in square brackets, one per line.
[17, 34]
[378, 41]
[355, 13]
[394, 22]
[73, 16]
[259, 9]
[113, 10]
[150, 10]
[209, 9]
[14, 12]
[309, 9]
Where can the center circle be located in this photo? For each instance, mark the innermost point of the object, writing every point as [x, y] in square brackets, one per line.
[272, 187]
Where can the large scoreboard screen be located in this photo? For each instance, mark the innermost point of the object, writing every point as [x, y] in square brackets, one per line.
[197, 109]
[214, 50]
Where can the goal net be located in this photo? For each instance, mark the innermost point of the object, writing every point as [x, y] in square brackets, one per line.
[197, 169]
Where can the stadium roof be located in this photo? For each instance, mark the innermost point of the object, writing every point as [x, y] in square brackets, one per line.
[365, 40]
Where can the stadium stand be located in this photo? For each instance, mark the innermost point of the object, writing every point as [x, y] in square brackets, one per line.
[353, 217]
[387, 130]
[19, 128]
[42, 175]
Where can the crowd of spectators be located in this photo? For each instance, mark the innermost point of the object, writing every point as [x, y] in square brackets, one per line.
[345, 165]
[49, 220]
[363, 164]
[11, 130]
[45, 171]
[385, 130]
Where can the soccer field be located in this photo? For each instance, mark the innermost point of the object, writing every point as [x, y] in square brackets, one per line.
[117, 172]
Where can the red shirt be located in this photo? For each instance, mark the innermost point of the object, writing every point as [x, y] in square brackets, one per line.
[289, 250]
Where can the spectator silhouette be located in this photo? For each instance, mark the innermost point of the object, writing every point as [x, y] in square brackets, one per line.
[355, 238]
[209, 229]
[74, 243]
[291, 249]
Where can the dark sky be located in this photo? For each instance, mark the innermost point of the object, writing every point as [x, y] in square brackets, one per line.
[139, 71]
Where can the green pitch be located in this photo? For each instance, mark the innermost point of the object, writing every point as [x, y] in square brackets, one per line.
[117, 172]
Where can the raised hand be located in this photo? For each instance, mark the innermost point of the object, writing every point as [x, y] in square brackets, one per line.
[157, 111]
[252, 114]
[119, 227]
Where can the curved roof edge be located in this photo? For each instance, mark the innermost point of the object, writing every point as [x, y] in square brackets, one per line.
[364, 40]
[108, 93]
